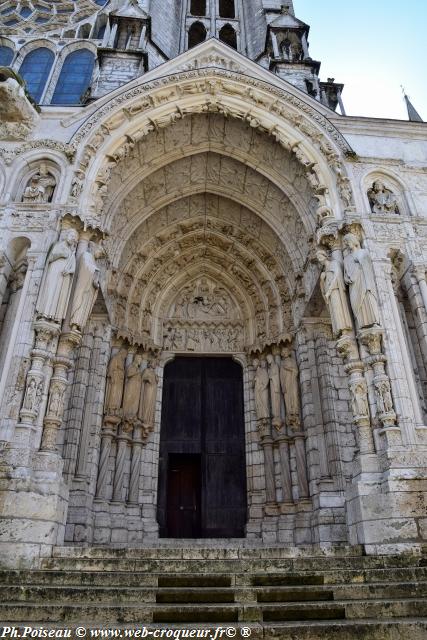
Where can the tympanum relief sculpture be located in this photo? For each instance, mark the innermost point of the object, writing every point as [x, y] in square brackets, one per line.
[203, 319]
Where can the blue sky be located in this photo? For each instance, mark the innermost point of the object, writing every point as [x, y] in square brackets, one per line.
[372, 46]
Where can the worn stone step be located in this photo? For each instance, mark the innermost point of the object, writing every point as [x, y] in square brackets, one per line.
[194, 581]
[78, 578]
[196, 614]
[86, 615]
[293, 595]
[257, 566]
[380, 590]
[285, 579]
[77, 595]
[386, 608]
[346, 630]
[187, 595]
[209, 549]
[302, 612]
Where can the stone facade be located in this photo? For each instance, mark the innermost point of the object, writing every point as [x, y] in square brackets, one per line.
[207, 201]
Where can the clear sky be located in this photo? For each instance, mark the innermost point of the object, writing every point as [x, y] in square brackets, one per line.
[373, 47]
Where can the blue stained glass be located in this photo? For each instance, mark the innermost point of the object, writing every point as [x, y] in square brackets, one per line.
[25, 12]
[101, 32]
[101, 2]
[42, 20]
[6, 56]
[74, 78]
[35, 70]
[10, 23]
[8, 10]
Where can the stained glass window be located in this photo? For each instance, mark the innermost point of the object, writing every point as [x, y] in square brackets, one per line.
[74, 78]
[6, 56]
[35, 70]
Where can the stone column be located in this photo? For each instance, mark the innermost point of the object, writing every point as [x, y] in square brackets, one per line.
[45, 333]
[135, 470]
[109, 430]
[419, 272]
[395, 349]
[123, 440]
[266, 439]
[16, 325]
[304, 44]
[285, 467]
[276, 51]
[58, 384]
[355, 368]
[299, 438]
[372, 339]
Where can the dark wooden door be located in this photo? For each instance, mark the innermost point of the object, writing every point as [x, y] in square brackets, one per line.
[202, 415]
[184, 487]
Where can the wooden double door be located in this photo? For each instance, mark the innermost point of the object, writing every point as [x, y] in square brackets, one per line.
[202, 470]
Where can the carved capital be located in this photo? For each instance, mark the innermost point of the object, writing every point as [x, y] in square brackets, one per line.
[347, 348]
[372, 339]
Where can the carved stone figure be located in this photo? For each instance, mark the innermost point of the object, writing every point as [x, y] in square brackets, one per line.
[381, 199]
[289, 376]
[115, 380]
[261, 385]
[274, 377]
[132, 392]
[334, 292]
[56, 401]
[383, 395]
[57, 279]
[30, 396]
[148, 398]
[360, 278]
[359, 401]
[40, 187]
[87, 285]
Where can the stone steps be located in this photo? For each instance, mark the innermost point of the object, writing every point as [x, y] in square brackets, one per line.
[279, 595]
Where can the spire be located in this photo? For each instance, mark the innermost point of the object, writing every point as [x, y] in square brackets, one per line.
[413, 114]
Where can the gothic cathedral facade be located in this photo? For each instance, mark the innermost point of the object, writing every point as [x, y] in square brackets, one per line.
[213, 296]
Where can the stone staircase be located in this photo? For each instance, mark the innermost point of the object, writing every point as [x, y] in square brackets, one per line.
[304, 593]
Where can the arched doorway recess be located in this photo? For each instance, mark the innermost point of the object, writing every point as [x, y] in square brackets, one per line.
[211, 225]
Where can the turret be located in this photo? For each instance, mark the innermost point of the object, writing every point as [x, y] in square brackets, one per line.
[123, 55]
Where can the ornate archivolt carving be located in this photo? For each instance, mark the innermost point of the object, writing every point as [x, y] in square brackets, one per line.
[9, 155]
[231, 138]
[152, 280]
[149, 108]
